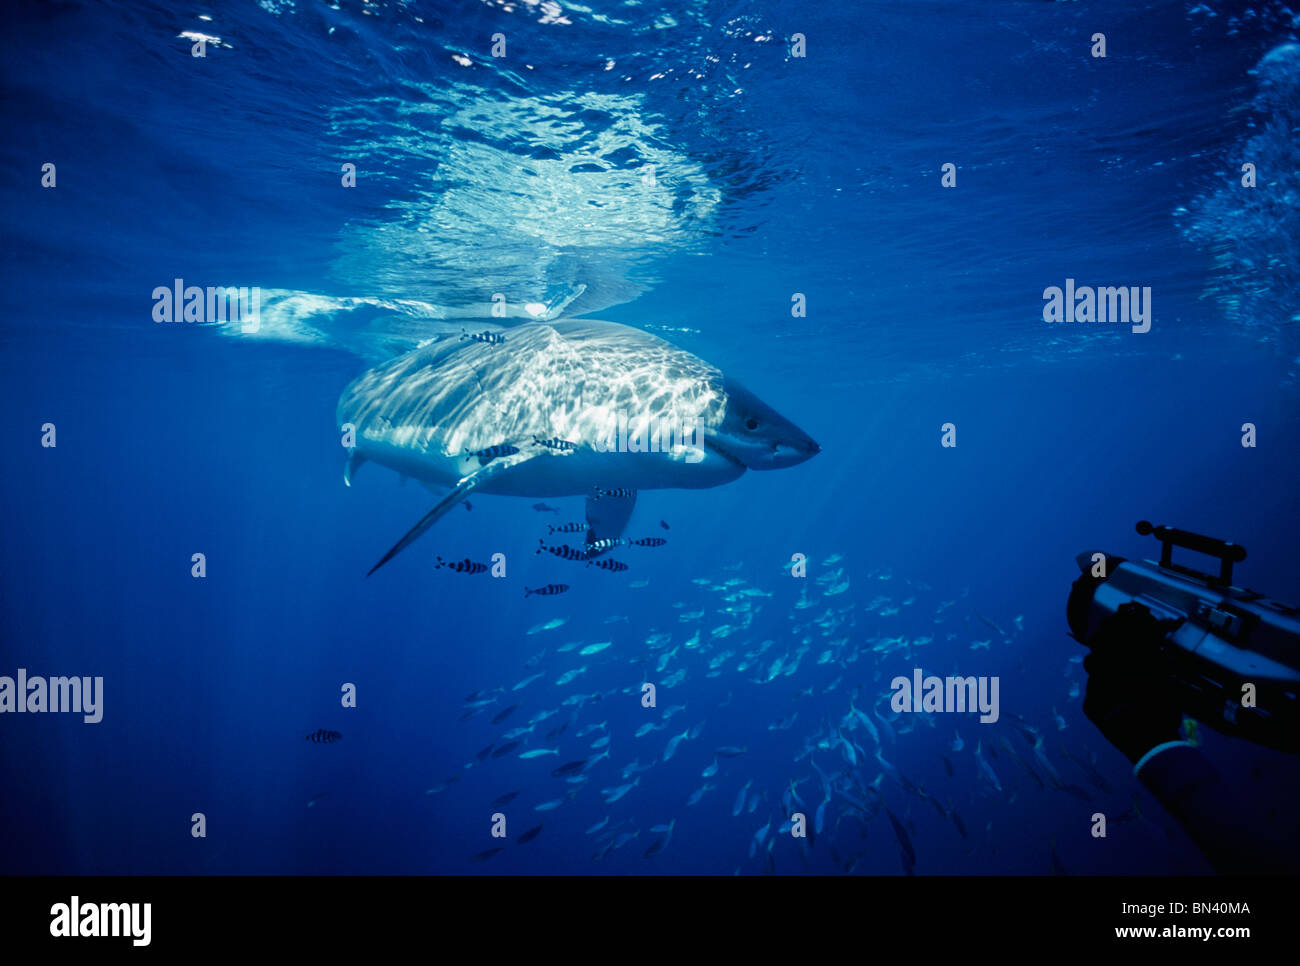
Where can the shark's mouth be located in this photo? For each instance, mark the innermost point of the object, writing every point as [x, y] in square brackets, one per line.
[769, 456]
[711, 444]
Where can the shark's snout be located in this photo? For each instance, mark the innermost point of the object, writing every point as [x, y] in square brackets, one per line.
[789, 450]
[757, 436]
[792, 453]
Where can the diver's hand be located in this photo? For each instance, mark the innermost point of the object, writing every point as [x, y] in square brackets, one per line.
[1128, 686]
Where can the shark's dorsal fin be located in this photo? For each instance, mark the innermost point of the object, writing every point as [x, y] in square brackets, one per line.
[458, 493]
[607, 515]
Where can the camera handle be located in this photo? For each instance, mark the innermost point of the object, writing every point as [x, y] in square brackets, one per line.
[1225, 551]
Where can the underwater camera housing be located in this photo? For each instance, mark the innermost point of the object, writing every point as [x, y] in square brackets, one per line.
[1213, 637]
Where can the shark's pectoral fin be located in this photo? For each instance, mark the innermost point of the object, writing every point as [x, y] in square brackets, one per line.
[458, 493]
[355, 459]
[607, 516]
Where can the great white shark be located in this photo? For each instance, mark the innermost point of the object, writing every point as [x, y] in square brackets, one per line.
[552, 397]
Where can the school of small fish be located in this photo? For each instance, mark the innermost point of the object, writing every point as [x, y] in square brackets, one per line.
[818, 667]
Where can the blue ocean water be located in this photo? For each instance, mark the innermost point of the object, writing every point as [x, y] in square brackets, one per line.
[677, 168]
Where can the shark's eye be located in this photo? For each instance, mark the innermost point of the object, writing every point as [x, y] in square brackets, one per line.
[751, 423]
